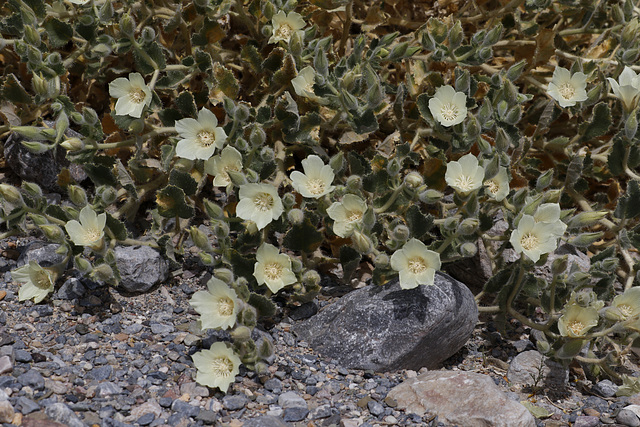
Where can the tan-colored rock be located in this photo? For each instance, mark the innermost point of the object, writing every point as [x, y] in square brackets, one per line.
[462, 398]
[6, 412]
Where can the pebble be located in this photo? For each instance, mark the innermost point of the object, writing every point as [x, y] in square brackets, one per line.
[33, 379]
[234, 402]
[605, 388]
[375, 408]
[5, 365]
[628, 418]
[586, 421]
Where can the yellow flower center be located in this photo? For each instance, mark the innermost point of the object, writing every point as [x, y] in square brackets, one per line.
[309, 87]
[284, 32]
[136, 95]
[263, 202]
[464, 183]
[316, 186]
[92, 234]
[273, 271]
[225, 306]
[626, 310]
[493, 187]
[226, 169]
[206, 138]
[42, 280]
[567, 91]
[576, 327]
[222, 366]
[529, 241]
[449, 111]
[354, 216]
[417, 265]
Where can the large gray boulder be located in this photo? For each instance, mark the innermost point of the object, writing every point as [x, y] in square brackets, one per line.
[386, 328]
[461, 398]
[140, 267]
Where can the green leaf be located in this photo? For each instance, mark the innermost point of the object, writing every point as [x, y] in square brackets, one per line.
[570, 349]
[242, 266]
[100, 174]
[263, 305]
[227, 82]
[38, 7]
[419, 223]
[350, 260]
[186, 104]
[57, 212]
[117, 227]
[423, 106]
[599, 123]
[303, 237]
[171, 203]
[13, 91]
[628, 206]
[59, 32]
[267, 170]
[168, 153]
[537, 411]
[376, 182]
[184, 181]
[574, 171]
[498, 281]
[274, 60]
[148, 51]
[203, 59]
[358, 164]
[251, 55]
[169, 116]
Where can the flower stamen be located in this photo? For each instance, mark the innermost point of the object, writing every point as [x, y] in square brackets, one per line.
[137, 95]
[417, 265]
[225, 306]
[263, 201]
[449, 111]
[206, 138]
[567, 90]
[576, 327]
[529, 241]
[316, 186]
[273, 271]
[222, 366]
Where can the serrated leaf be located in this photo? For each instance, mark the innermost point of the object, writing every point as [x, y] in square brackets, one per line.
[358, 164]
[376, 182]
[263, 305]
[350, 260]
[184, 181]
[599, 123]
[242, 266]
[628, 206]
[125, 179]
[100, 174]
[422, 102]
[117, 227]
[169, 116]
[203, 59]
[364, 122]
[13, 91]
[498, 281]
[303, 237]
[574, 171]
[186, 104]
[274, 60]
[154, 52]
[171, 203]
[251, 55]
[59, 32]
[57, 212]
[227, 83]
[419, 223]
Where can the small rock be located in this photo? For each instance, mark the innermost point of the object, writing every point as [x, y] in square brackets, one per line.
[532, 368]
[63, 414]
[274, 385]
[628, 418]
[586, 421]
[291, 399]
[5, 365]
[305, 311]
[265, 421]
[107, 389]
[70, 289]
[6, 412]
[295, 414]
[146, 419]
[185, 408]
[160, 329]
[33, 379]
[132, 329]
[140, 268]
[597, 403]
[26, 405]
[375, 408]
[323, 411]
[605, 388]
[207, 417]
[102, 373]
[23, 356]
[234, 402]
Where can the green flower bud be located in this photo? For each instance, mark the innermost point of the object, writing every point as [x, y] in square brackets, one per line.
[268, 10]
[213, 210]
[629, 33]
[311, 279]
[586, 219]
[221, 230]
[106, 11]
[401, 233]
[609, 264]
[559, 265]
[261, 368]
[267, 154]
[72, 144]
[82, 265]
[241, 334]
[40, 85]
[337, 162]
[267, 31]
[108, 195]
[296, 43]
[362, 242]
[34, 56]
[473, 128]
[516, 70]
[102, 273]
[393, 167]
[148, 34]
[514, 115]
[437, 29]
[200, 239]
[354, 183]
[520, 197]
[617, 14]
[369, 219]
[456, 35]
[53, 233]
[258, 136]
[493, 35]
[430, 196]
[248, 316]
[11, 194]
[242, 145]
[295, 216]
[252, 176]
[544, 180]
[237, 178]
[630, 56]
[631, 124]
[206, 258]
[127, 25]
[136, 126]
[413, 179]
[579, 278]
[38, 219]
[585, 239]
[77, 195]
[224, 274]
[242, 112]
[36, 147]
[451, 224]
[296, 265]
[381, 260]
[594, 94]
[252, 228]
[468, 226]
[468, 249]
[288, 200]
[32, 189]
[31, 35]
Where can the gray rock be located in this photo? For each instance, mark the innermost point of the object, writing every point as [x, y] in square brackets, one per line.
[441, 392]
[140, 268]
[274, 385]
[6, 412]
[107, 389]
[71, 289]
[295, 414]
[160, 329]
[605, 388]
[375, 408]
[386, 328]
[586, 421]
[596, 403]
[102, 373]
[26, 405]
[234, 402]
[41, 252]
[146, 419]
[184, 408]
[628, 418]
[291, 399]
[265, 421]
[5, 365]
[33, 379]
[133, 328]
[22, 356]
[323, 411]
[532, 368]
[63, 414]
[207, 417]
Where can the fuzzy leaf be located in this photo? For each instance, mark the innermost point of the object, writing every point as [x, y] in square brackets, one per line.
[186, 104]
[263, 305]
[227, 82]
[57, 212]
[59, 32]
[419, 223]
[100, 174]
[154, 52]
[303, 237]
[171, 203]
[241, 265]
[599, 123]
[183, 181]
[13, 91]
[203, 59]
[350, 260]
[117, 227]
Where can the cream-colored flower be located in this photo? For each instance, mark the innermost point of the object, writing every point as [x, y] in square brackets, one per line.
[627, 89]
[627, 305]
[316, 180]
[498, 187]
[549, 213]
[576, 321]
[566, 88]
[273, 268]
[229, 159]
[465, 175]
[89, 231]
[347, 214]
[200, 137]
[80, 2]
[218, 307]
[133, 95]
[217, 367]
[416, 264]
[304, 81]
[259, 203]
[534, 238]
[448, 106]
[284, 25]
[37, 282]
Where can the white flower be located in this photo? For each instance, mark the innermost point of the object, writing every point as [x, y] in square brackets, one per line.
[465, 175]
[217, 367]
[259, 203]
[229, 159]
[448, 106]
[534, 238]
[347, 214]
[273, 268]
[200, 137]
[37, 282]
[304, 81]
[284, 25]
[576, 321]
[549, 213]
[218, 307]
[81, 2]
[316, 180]
[627, 88]
[89, 231]
[417, 264]
[627, 305]
[133, 95]
[498, 186]
[567, 89]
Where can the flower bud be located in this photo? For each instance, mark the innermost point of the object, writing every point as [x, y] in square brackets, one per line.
[337, 162]
[40, 85]
[251, 228]
[401, 233]
[296, 43]
[31, 35]
[362, 242]
[485, 53]
[224, 274]
[354, 183]
[544, 180]
[221, 230]
[502, 108]
[242, 112]
[127, 25]
[267, 154]
[268, 10]
[594, 94]
[295, 216]
[586, 219]
[206, 258]
[585, 239]
[514, 115]
[629, 33]
[430, 196]
[617, 14]
[559, 265]
[258, 136]
[630, 56]
[102, 273]
[579, 278]
[108, 195]
[311, 279]
[520, 197]
[296, 265]
[32, 189]
[200, 239]
[261, 368]
[413, 179]
[136, 126]
[82, 265]
[53, 233]
[148, 34]
[288, 200]
[450, 224]
[77, 195]
[252, 176]
[493, 35]
[248, 316]
[106, 11]
[369, 219]
[213, 210]
[381, 260]
[437, 29]
[34, 56]
[11, 194]
[36, 147]
[468, 226]
[468, 249]
[609, 264]
[38, 219]
[456, 35]
[241, 334]
[394, 166]
[72, 144]
[631, 125]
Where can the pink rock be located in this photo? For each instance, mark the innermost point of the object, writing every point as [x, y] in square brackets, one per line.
[5, 365]
[463, 398]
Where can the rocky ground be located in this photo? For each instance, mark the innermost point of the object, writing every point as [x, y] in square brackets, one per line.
[96, 356]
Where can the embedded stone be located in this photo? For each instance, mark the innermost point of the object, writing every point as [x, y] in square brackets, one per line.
[140, 268]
